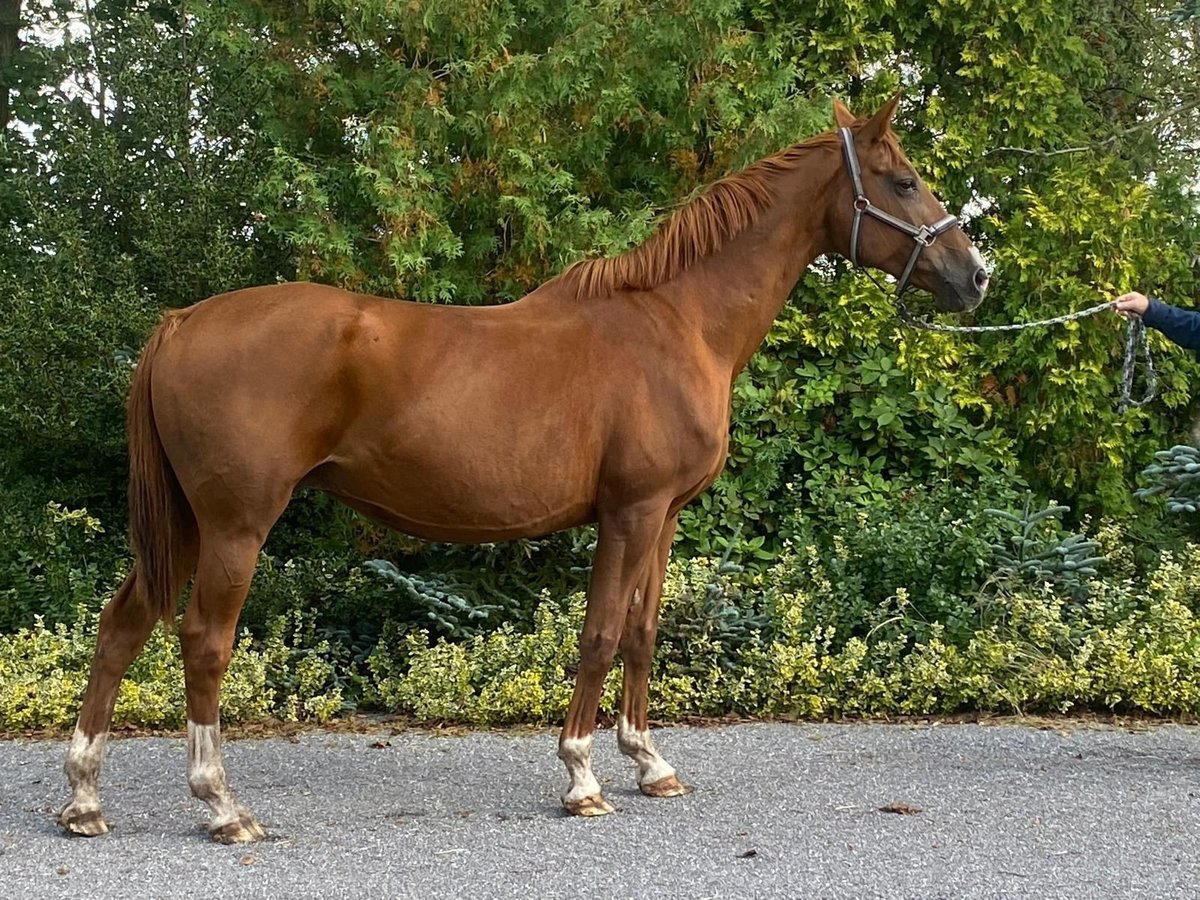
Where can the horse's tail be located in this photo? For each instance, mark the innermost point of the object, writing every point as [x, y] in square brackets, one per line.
[162, 526]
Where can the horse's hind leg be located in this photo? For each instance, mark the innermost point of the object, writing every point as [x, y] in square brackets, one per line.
[656, 777]
[125, 624]
[206, 636]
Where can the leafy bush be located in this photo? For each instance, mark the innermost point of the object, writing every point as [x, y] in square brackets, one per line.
[707, 610]
[825, 416]
[895, 612]
[1130, 648]
[851, 557]
[1133, 646]
[456, 591]
[57, 561]
[1175, 474]
[291, 675]
[503, 677]
[444, 606]
[338, 597]
[469, 154]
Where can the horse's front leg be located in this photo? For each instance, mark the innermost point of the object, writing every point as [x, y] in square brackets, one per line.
[627, 540]
[655, 776]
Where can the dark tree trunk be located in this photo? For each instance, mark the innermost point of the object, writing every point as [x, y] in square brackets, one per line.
[10, 19]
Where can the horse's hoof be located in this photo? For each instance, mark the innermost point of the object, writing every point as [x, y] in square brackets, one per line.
[595, 805]
[242, 830]
[670, 786]
[85, 823]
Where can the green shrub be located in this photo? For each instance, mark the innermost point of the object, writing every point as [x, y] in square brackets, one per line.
[825, 417]
[1131, 647]
[292, 675]
[56, 562]
[1036, 549]
[350, 601]
[503, 677]
[852, 557]
[830, 629]
[708, 608]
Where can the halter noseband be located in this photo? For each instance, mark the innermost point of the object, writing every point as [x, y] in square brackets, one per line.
[922, 235]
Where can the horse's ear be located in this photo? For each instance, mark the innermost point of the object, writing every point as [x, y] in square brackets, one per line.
[881, 123]
[841, 115]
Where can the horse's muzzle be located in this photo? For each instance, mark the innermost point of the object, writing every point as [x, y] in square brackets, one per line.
[963, 284]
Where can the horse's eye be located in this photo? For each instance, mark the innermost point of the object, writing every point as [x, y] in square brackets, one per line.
[906, 185]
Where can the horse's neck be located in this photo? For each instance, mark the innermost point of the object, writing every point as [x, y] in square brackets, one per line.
[736, 293]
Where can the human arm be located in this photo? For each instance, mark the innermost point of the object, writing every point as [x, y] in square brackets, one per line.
[1180, 325]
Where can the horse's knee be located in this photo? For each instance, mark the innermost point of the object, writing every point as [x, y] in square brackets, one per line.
[637, 641]
[597, 650]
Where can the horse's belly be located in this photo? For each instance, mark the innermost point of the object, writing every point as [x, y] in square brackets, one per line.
[468, 507]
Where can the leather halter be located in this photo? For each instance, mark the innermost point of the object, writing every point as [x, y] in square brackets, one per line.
[922, 235]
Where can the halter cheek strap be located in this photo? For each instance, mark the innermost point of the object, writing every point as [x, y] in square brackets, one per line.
[922, 235]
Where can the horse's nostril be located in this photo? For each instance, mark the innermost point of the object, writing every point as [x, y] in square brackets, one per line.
[981, 278]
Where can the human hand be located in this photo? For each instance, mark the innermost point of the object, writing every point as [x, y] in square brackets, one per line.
[1133, 302]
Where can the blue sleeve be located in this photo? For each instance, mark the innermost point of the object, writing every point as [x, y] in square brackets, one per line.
[1180, 325]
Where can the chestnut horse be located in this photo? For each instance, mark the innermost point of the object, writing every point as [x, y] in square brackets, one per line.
[603, 396]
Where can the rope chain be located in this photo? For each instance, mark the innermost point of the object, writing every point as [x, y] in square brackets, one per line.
[1135, 340]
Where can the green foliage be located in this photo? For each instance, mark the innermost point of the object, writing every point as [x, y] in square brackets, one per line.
[451, 614]
[826, 411]
[291, 675]
[1132, 647]
[126, 191]
[1176, 474]
[1188, 9]
[304, 675]
[708, 613]
[341, 599]
[1037, 550]
[1054, 390]
[906, 563]
[456, 591]
[502, 677]
[467, 153]
[790, 641]
[158, 154]
[58, 564]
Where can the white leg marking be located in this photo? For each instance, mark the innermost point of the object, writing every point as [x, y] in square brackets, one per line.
[83, 769]
[577, 754]
[206, 774]
[638, 746]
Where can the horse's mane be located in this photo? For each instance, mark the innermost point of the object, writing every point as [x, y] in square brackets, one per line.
[699, 228]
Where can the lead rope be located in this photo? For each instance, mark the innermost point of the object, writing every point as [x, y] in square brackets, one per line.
[1135, 334]
[1135, 340]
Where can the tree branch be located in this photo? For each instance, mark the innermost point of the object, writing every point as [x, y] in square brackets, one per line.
[1112, 138]
[102, 98]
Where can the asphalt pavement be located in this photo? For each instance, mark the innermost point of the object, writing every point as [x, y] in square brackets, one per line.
[794, 811]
